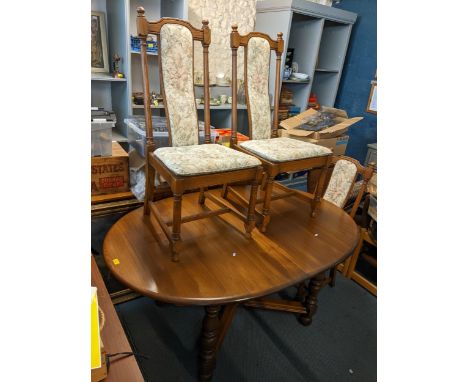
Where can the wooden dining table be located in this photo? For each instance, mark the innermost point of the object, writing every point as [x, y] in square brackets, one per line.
[220, 268]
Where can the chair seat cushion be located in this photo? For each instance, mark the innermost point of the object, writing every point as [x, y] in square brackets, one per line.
[284, 149]
[204, 159]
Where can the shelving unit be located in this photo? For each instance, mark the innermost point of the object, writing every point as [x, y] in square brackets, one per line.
[148, 53]
[318, 34]
[296, 82]
[116, 94]
[106, 77]
[199, 107]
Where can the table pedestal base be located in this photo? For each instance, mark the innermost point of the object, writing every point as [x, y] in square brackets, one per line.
[311, 302]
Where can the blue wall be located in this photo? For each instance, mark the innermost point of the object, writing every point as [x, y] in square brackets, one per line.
[358, 72]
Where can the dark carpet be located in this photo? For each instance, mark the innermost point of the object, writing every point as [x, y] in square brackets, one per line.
[339, 345]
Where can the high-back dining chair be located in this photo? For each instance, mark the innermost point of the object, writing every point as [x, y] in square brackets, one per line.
[276, 154]
[346, 172]
[341, 176]
[186, 164]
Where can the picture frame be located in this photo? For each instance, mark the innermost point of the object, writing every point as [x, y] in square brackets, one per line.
[99, 51]
[372, 101]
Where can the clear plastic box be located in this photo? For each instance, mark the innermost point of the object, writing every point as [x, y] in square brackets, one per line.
[101, 138]
[136, 132]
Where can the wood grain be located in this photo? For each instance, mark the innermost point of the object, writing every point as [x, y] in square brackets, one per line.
[297, 247]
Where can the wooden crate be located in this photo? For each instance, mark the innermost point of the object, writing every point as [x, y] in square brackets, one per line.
[110, 175]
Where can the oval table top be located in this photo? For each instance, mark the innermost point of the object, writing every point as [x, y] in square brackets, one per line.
[218, 264]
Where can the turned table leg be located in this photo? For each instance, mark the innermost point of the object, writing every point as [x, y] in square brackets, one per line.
[315, 284]
[209, 340]
[215, 328]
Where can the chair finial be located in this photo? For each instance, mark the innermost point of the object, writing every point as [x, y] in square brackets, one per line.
[205, 22]
[141, 11]
[280, 35]
[234, 27]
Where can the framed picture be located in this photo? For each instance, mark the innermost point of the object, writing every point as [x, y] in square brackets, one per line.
[99, 52]
[372, 102]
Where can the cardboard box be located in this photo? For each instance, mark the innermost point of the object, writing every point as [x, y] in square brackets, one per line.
[291, 125]
[109, 175]
[337, 145]
[224, 137]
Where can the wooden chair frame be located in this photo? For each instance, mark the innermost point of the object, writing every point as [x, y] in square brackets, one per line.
[180, 184]
[301, 303]
[366, 174]
[350, 271]
[272, 169]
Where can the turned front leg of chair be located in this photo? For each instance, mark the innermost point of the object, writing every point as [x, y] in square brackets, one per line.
[176, 223]
[354, 257]
[149, 188]
[250, 223]
[224, 192]
[320, 188]
[267, 202]
[201, 196]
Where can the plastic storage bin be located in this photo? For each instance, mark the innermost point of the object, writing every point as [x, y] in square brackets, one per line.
[151, 45]
[101, 138]
[136, 132]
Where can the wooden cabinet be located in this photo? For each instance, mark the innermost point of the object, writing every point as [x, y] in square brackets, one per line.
[319, 35]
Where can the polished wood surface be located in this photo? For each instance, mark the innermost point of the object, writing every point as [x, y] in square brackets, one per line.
[122, 368]
[220, 265]
[95, 199]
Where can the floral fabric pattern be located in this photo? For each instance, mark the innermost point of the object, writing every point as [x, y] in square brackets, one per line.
[258, 70]
[341, 181]
[204, 159]
[284, 149]
[177, 72]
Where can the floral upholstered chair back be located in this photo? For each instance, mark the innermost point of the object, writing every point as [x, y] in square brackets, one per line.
[257, 69]
[341, 182]
[176, 52]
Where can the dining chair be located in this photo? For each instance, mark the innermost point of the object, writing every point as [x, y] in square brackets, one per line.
[366, 236]
[186, 164]
[342, 174]
[277, 154]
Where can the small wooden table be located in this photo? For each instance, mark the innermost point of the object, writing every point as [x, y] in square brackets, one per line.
[219, 267]
[123, 368]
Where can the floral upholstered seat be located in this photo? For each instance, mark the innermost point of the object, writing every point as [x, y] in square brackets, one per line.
[284, 149]
[341, 181]
[204, 159]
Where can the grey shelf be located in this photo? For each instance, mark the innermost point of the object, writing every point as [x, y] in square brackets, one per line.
[318, 34]
[213, 86]
[199, 107]
[106, 77]
[117, 136]
[325, 86]
[327, 70]
[296, 82]
[147, 53]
